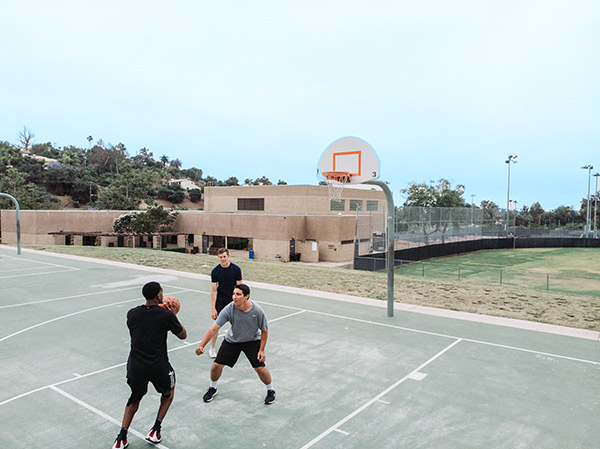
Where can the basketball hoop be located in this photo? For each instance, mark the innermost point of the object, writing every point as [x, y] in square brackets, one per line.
[335, 183]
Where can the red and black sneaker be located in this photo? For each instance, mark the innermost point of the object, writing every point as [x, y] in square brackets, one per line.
[120, 443]
[153, 436]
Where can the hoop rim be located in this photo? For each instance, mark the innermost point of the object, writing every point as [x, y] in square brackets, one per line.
[339, 176]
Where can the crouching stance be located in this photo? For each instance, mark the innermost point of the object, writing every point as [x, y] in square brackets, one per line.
[248, 334]
[148, 360]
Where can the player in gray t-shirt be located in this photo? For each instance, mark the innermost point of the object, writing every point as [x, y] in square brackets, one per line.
[248, 334]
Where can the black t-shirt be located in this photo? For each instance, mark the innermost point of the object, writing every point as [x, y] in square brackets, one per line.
[226, 279]
[148, 328]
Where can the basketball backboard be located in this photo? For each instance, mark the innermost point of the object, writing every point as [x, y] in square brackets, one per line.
[350, 159]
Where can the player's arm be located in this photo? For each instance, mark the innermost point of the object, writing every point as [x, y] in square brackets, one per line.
[183, 334]
[213, 300]
[212, 330]
[263, 343]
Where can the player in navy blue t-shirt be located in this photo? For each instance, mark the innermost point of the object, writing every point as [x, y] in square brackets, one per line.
[224, 278]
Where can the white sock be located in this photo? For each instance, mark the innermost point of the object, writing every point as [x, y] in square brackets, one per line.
[270, 386]
[213, 384]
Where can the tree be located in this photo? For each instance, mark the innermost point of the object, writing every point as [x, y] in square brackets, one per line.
[434, 197]
[29, 196]
[164, 159]
[263, 181]
[491, 211]
[232, 181]
[536, 212]
[281, 182]
[195, 174]
[195, 195]
[127, 190]
[154, 219]
[175, 163]
[25, 137]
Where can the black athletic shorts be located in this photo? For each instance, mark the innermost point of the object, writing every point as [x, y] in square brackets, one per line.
[230, 352]
[220, 305]
[163, 383]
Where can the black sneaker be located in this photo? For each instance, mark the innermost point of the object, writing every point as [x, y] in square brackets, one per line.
[270, 397]
[210, 394]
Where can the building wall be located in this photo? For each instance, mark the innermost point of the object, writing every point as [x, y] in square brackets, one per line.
[302, 199]
[299, 213]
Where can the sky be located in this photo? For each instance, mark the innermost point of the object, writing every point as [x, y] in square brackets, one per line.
[439, 88]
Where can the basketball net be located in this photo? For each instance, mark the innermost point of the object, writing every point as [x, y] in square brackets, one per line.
[335, 183]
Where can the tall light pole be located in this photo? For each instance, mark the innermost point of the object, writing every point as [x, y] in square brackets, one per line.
[510, 159]
[587, 215]
[472, 196]
[596, 175]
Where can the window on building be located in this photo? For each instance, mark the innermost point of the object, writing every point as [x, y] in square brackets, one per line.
[242, 243]
[251, 204]
[372, 206]
[89, 240]
[337, 205]
[355, 204]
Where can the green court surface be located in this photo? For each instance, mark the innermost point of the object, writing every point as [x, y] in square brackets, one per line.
[346, 375]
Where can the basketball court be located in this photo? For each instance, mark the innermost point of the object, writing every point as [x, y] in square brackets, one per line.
[346, 375]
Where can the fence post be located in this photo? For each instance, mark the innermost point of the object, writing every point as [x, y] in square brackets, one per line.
[500, 277]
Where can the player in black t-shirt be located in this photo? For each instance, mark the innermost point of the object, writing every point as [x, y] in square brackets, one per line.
[148, 360]
[224, 278]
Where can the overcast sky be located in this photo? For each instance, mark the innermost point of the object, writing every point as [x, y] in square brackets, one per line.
[440, 89]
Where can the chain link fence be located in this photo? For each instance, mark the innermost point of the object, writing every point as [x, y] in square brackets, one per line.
[417, 226]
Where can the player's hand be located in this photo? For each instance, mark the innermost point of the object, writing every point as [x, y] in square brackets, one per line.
[170, 306]
[200, 350]
[262, 356]
[214, 314]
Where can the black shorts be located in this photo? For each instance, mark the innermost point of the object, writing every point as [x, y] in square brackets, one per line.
[220, 305]
[163, 382]
[230, 352]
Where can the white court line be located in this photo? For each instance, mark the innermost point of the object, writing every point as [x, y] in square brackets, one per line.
[102, 414]
[41, 301]
[66, 316]
[183, 346]
[408, 329]
[376, 398]
[40, 262]
[39, 273]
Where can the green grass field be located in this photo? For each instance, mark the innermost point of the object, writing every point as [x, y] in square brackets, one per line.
[567, 270]
[521, 295]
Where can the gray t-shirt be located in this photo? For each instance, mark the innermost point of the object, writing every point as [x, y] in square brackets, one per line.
[244, 326]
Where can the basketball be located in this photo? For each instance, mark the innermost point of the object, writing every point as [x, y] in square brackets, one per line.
[171, 303]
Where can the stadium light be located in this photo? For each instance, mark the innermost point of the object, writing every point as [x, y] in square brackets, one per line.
[589, 168]
[508, 161]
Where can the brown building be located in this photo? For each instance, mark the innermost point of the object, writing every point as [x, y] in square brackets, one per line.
[265, 222]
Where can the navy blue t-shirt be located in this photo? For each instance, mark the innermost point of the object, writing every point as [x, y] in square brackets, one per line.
[226, 279]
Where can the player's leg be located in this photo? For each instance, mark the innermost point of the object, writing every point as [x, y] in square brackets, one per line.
[212, 352]
[228, 355]
[138, 390]
[251, 351]
[164, 383]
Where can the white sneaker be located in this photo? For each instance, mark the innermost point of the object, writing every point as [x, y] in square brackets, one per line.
[212, 353]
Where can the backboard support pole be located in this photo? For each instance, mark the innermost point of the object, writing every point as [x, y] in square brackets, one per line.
[390, 243]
